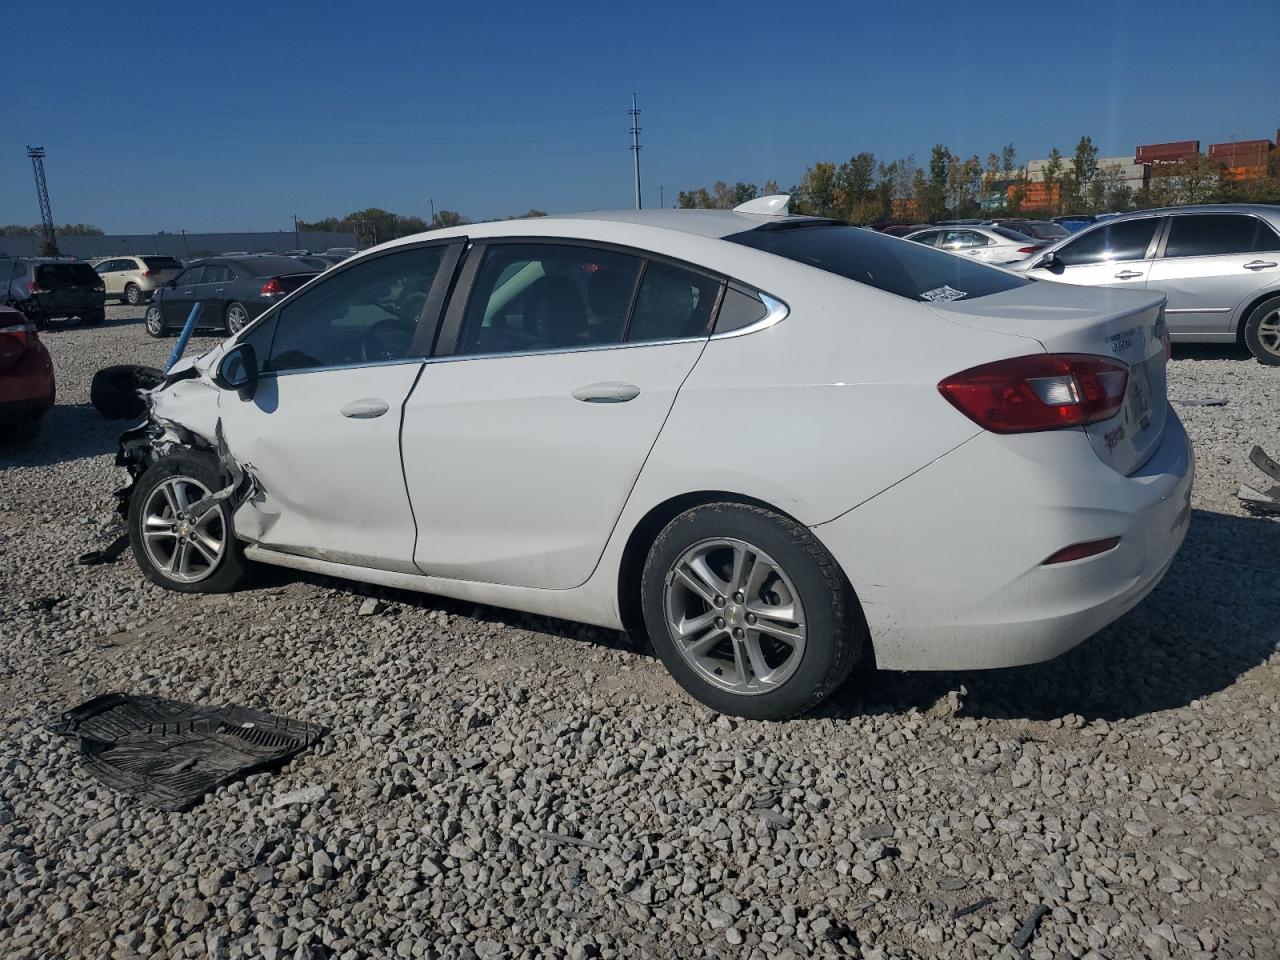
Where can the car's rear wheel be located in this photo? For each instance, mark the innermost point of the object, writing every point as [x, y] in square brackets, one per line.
[1262, 332]
[749, 612]
[237, 317]
[191, 551]
[154, 321]
[132, 295]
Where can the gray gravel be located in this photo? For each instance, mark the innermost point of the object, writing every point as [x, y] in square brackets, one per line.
[499, 785]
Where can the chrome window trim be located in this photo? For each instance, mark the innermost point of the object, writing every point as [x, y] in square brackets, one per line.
[593, 348]
[342, 366]
[777, 312]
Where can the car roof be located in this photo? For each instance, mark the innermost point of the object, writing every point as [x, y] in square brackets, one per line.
[712, 224]
[1264, 209]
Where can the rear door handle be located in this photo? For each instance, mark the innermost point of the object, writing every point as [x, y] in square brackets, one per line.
[1259, 264]
[366, 409]
[609, 392]
[1128, 274]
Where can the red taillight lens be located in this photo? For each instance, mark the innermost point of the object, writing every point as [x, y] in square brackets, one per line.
[1028, 249]
[271, 288]
[146, 273]
[1045, 392]
[23, 334]
[1078, 551]
[33, 289]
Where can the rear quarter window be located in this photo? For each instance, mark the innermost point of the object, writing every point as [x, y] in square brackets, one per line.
[909, 270]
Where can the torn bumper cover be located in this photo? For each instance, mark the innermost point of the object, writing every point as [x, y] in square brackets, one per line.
[1262, 501]
[141, 446]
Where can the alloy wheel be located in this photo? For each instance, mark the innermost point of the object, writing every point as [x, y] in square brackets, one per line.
[153, 321]
[237, 317]
[182, 546]
[133, 295]
[1269, 332]
[735, 616]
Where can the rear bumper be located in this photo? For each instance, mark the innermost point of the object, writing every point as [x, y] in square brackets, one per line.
[27, 388]
[949, 566]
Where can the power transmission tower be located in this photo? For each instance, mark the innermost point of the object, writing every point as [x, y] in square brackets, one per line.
[635, 144]
[42, 194]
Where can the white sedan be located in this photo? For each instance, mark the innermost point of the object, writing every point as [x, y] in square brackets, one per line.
[788, 448]
[987, 244]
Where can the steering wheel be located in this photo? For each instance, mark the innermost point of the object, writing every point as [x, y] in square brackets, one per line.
[387, 339]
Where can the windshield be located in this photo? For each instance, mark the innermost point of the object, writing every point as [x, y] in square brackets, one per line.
[909, 270]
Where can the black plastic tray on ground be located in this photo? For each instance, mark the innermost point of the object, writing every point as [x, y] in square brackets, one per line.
[170, 754]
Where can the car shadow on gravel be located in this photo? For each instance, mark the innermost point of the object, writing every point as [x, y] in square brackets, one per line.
[1214, 617]
[71, 431]
[1212, 351]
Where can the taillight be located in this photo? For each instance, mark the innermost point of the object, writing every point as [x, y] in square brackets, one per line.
[271, 288]
[1042, 392]
[32, 289]
[1029, 249]
[146, 273]
[24, 333]
[1162, 331]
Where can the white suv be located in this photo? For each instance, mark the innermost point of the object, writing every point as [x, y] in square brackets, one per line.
[134, 279]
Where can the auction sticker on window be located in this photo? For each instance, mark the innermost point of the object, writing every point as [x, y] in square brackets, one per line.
[943, 294]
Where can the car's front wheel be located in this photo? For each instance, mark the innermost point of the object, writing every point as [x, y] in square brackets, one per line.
[177, 542]
[132, 295]
[1262, 332]
[749, 612]
[154, 321]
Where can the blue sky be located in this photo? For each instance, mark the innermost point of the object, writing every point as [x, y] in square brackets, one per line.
[233, 116]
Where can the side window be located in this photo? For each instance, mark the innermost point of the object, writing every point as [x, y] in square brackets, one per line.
[738, 310]
[216, 273]
[1127, 240]
[188, 277]
[366, 314]
[963, 240]
[103, 267]
[929, 238]
[1215, 234]
[672, 303]
[542, 296]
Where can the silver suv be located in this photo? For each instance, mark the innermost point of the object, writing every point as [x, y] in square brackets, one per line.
[134, 279]
[1219, 266]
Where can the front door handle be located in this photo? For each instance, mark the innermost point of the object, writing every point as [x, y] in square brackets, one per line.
[366, 409]
[609, 392]
[1259, 264]
[1128, 274]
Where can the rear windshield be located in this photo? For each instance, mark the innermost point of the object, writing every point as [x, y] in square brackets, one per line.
[67, 275]
[1009, 234]
[162, 263]
[272, 266]
[909, 270]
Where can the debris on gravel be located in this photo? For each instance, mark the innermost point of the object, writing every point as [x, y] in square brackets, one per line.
[500, 785]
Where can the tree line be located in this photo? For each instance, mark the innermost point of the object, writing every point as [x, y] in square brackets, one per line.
[865, 190]
[66, 230]
[376, 225]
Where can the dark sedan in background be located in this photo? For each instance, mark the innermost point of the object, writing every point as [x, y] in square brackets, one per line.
[231, 290]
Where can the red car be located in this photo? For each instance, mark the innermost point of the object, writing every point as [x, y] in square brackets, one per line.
[26, 377]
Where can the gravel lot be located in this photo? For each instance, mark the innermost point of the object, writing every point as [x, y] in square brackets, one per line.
[499, 785]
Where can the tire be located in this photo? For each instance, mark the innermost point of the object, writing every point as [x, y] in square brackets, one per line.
[114, 390]
[197, 474]
[237, 317]
[94, 318]
[132, 295]
[153, 320]
[22, 431]
[1262, 332]
[798, 578]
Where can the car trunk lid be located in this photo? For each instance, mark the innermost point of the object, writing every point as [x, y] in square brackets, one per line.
[1123, 325]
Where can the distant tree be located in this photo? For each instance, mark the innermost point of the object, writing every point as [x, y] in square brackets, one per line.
[818, 190]
[447, 218]
[79, 230]
[66, 230]
[854, 186]
[771, 189]
[698, 199]
[1052, 175]
[527, 215]
[1008, 161]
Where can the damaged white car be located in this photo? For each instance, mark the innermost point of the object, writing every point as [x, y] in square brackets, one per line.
[786, 448]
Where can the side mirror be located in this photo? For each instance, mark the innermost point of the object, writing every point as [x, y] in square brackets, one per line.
[238, 370]
[171, 283]
[1050, 262]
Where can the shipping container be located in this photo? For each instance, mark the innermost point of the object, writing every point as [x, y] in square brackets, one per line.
[1166, 152]
[1243, 153]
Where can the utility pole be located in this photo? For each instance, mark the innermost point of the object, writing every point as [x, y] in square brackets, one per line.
[635, 144]
[662, 198]
[297, 244]
[431, 200]
[42, 194]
